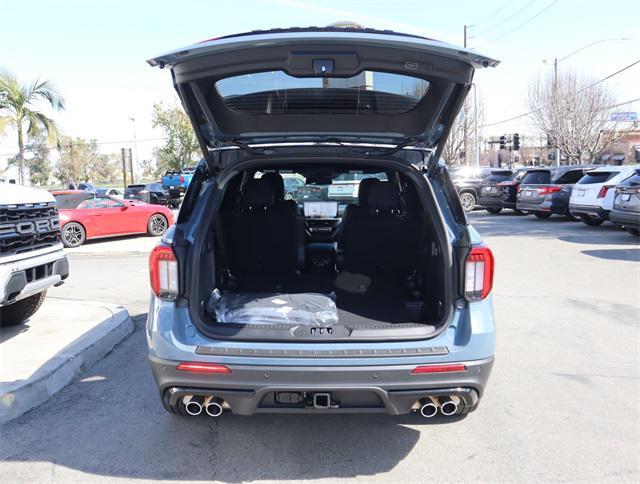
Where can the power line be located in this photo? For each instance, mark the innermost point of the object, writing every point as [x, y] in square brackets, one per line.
[505, 20]
[492, 13]
[581, 90]
[525, 22]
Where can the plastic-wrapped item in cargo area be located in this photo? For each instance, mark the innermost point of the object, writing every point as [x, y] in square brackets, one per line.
[310, 309]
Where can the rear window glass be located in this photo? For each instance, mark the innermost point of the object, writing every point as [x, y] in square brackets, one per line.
[499, 176]
[541, 177]
[632, 181]
[597, 177]
[155, 187]
[276, 92]
[570, 177]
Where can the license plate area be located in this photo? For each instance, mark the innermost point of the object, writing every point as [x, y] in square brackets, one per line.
[321, 400]
[625, 197]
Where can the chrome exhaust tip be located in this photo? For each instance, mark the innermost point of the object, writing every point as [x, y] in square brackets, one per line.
[193, 404]
[213, 406]
[449, 405]
[428, 407]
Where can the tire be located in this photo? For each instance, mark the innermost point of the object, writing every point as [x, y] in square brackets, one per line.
[633, 231]
[73, 235]
[591, 222]
[468, 201]
[288, 196]
[22, 310]
[542, 214]
[157, 225]
[494, 210]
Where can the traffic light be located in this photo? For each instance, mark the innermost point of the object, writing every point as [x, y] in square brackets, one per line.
[516, 141]
[503, 142]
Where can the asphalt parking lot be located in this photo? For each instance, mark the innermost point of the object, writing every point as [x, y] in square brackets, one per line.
[561, 403]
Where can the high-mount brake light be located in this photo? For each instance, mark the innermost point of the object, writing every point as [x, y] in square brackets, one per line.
[163, 272]
[478, 274]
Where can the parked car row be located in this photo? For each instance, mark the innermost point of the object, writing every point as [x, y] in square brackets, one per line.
[578, 192]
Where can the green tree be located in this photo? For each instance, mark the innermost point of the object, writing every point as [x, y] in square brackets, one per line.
[81, 161]
[39, 164]
[19, 109]
[181, 147]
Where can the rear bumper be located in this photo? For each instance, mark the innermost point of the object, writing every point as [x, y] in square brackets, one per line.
[391, 389]
[628, 219]
[588, 211]
[490, 202]
[22, 278]
[557, 206]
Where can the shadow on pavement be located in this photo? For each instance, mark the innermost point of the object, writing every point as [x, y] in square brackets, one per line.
[111, 423]
[632, 255]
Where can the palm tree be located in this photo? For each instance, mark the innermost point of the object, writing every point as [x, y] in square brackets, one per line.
[19, 109]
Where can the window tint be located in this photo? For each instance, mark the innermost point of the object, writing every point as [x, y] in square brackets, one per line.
[155, 187]
[519, 176]
[498, 177]
[632, 181]
[538, 177]
[276, 92]
[570, 177]
[100, 203]
[597, 177]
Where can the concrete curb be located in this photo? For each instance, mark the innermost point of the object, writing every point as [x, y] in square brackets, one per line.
[21, 396]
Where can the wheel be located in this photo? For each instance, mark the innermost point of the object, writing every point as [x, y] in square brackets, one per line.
[468, 201]
[157, 225]
[73, 235]
[494, 210]
[633, 231]
[288, 196]
[21, 310]
[542, 214]
[591, 222]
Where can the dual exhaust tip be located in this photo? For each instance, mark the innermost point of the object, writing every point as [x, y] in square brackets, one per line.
[447, 406]
[196, 404]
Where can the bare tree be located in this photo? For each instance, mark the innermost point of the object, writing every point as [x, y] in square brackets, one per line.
[465, 124]
[574, 112]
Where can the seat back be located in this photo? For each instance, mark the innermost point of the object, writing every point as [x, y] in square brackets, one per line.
[263, 236]
[376, 238]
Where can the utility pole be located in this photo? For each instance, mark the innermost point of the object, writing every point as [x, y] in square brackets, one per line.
[131, 167]
[73, 165]
[464, 114]
[124, 167]
[555, 89]
[135, 144]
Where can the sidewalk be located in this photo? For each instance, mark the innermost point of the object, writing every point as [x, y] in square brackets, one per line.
[46, 353]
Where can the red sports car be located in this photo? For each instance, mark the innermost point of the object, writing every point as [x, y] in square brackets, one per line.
[83, 216]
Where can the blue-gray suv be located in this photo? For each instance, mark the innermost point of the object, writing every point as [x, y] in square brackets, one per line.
[372, 296]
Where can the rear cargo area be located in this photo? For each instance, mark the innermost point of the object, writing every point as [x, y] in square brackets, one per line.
[366, 266]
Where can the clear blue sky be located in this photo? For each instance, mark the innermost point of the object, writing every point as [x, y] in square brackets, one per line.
[95, 51]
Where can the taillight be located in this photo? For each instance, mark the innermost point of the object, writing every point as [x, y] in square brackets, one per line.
[181, 179]
[202, 367]
[548, 190]
[478, 274]
[163, 272]
[603, 191]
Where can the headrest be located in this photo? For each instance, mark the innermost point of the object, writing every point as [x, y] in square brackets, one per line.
[277, 183]
[257, 195]
[384, 197]
[364, 189]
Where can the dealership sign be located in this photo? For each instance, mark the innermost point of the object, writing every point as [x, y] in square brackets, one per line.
[629, 117]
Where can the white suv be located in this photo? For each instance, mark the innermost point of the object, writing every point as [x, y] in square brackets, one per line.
[31, 255]
[592, 197]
